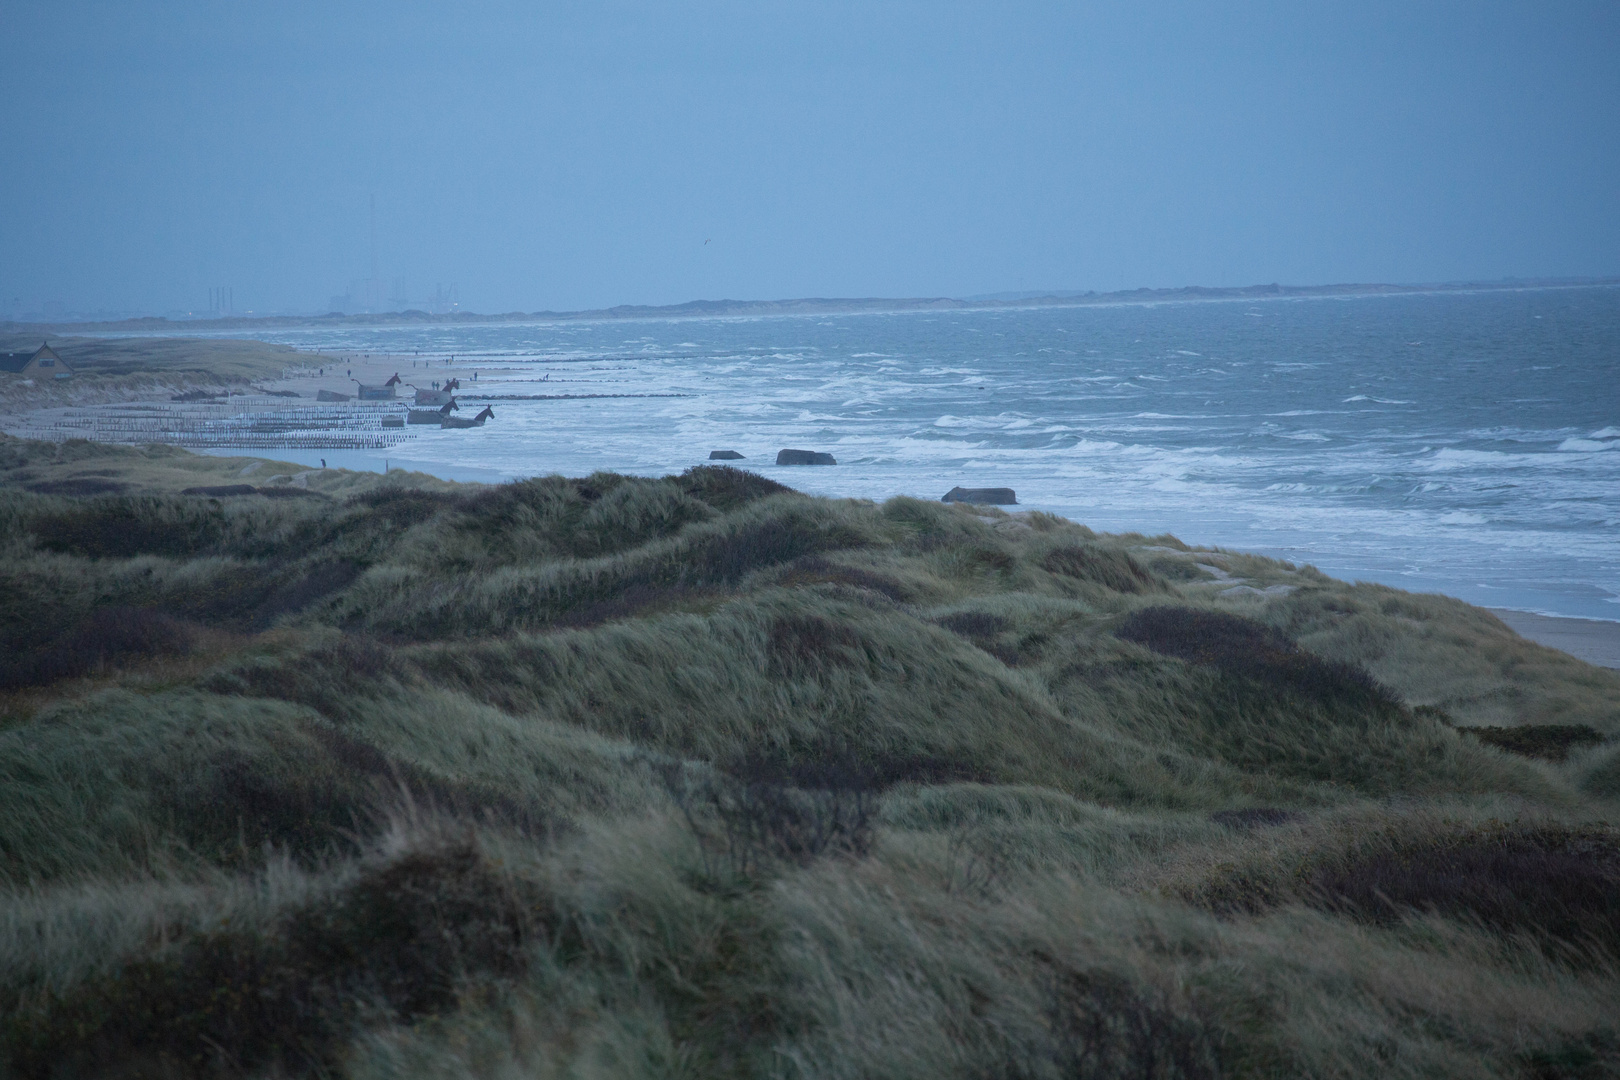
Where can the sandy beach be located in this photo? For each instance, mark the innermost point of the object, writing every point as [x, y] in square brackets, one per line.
[1593, 640]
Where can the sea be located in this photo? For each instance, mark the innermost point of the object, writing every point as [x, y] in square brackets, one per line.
[1466, 443]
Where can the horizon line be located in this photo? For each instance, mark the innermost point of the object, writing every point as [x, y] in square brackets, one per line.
[823, 305]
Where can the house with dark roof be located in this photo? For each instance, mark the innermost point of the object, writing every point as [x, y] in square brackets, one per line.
[43, 362]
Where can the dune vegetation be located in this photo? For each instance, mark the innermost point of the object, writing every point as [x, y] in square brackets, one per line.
[132, 369]
[317, 773]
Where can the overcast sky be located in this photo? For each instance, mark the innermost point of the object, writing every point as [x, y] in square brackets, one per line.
[547, 155]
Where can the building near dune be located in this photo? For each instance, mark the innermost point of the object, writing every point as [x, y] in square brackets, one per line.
[43, 362]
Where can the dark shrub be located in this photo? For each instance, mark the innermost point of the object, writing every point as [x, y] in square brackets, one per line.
[973, 624]
[1552, 742]
[761, 811]
[109, 637]
[231, 808]
[232, 596]
[1593, 1056]
[289, 492]
[988, 559]
[1254, 817]
[391, 946]
[1099, 565]
[981, 628]
[318, 581]
[812, 640]
[724, 487]
[220, 491]
[815, 570]
[728, 557]
[1177, 569]
[330, 679]
[1553, 881]
[403, 506]
[81, 485]
[1244, 647]
[119, 527]
[837, 766]
[1106, 1028]
[637, 600]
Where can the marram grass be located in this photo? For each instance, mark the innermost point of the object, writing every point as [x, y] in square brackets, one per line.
[701, 777]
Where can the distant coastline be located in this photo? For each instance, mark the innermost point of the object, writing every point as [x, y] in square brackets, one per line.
[804, 306]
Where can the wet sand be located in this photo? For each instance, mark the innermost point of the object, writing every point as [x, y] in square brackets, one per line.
[1593, 640]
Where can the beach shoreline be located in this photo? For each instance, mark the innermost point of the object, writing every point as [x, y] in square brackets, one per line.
[1595, 641]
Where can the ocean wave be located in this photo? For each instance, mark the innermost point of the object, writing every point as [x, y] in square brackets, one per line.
[1133, 435]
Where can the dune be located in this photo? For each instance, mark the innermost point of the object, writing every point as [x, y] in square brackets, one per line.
[309, 772]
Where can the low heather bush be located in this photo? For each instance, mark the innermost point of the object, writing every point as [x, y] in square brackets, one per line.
[1552, 742]
[812, 641]
[1255, 817]
[1103, 566]
[816, 570]
[124, 526]
[753, 815]
[1235, 645]
[392, 945]
[81, 485]
[1106, 1028]
[981, 628]
[725, 488]
[1554, 882]
[109, 637]
[724, 558]
[1557, 882]
[235, 805]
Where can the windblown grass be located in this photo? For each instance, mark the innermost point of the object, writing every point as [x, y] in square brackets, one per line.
[700, 776]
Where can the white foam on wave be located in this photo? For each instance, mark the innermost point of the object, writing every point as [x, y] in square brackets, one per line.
[1104, 439]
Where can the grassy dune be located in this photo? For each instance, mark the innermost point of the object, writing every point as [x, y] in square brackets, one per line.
[122, 369]
[384, 776]
[214, 357]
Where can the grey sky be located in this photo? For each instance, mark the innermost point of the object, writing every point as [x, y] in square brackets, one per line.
[578, 155]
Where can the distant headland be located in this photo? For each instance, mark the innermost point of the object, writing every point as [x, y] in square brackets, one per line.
[811, 306]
